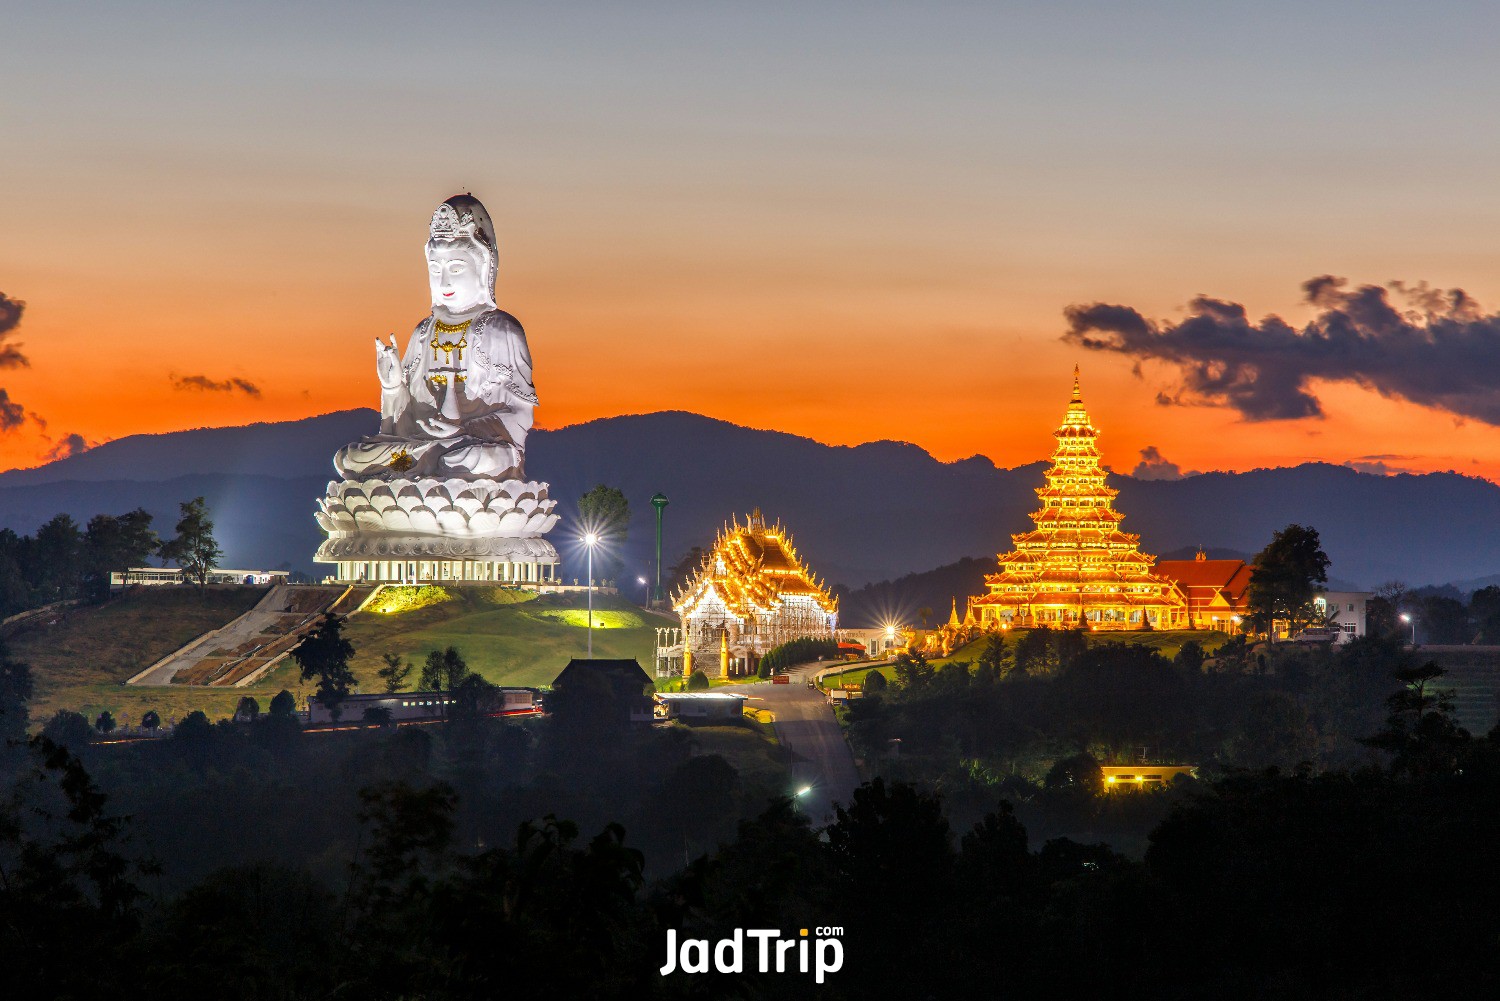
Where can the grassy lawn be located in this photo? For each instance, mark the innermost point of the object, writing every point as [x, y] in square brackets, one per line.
[1168, 642]
[510, 637]
[82, 659]
[752, 755]
[855, 676]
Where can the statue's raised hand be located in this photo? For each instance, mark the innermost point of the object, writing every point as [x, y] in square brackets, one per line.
[438, 426]
[388, 363]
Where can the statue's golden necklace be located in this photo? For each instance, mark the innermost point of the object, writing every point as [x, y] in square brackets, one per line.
[449, 346]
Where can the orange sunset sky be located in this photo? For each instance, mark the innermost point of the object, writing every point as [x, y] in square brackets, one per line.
[852, 223]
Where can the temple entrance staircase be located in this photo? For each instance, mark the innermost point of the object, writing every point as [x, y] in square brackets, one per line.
[242, 652]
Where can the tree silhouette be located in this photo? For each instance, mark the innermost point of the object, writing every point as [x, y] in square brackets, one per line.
[1284, 578]
[395, 672]
[193, 548]
[324, 654]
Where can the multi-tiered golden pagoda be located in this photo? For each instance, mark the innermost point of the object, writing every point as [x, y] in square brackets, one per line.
[1076, 569]
[751, 592]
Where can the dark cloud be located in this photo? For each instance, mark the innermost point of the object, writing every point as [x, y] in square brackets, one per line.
[1155, 466]
[12, 414]
[1430, 346]
[10, 319]
[68, 446]
[203, 383]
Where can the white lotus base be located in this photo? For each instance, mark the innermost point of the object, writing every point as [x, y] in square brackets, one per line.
[430, 531]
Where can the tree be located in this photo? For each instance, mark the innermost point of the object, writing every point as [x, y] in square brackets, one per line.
[283, 704]
[151, 720]
[473, 697]
[1484, 609]
[395, 672]
[194, 727]
[58, 560]
[377, 716]
[1034, 652]
[115, 544]
[605, 512]
[68, 729]
[697, 798]
[1189, 659]
[1078, 771]
[1445, 620]
[953, 676]
[444, 670]
[913, 673]
[1420, 732]
[194, 548]
[280, 721]
[991, 663]
[875, 683]
[1071, 644]
[15, 693]
[1284, 579]
[697, 682]
[105, 722]
[324, 654]
[247, 711]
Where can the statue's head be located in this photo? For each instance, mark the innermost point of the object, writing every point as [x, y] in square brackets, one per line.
[461, 255]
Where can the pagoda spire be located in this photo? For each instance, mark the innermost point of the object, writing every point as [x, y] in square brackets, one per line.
[1076, 568]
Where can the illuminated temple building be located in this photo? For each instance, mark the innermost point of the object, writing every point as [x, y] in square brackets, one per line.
[751, 593]
[1076, 569]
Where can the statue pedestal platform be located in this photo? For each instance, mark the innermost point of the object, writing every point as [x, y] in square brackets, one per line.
[430, 531]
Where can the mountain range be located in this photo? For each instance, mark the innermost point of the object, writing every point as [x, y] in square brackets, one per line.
[859, 514]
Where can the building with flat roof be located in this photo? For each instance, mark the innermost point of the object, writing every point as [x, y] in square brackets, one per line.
[703, 706]
[175, 575]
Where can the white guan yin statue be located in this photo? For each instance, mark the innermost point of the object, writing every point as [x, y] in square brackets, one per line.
[440, 492]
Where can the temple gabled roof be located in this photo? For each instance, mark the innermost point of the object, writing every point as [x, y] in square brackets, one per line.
[752, 568]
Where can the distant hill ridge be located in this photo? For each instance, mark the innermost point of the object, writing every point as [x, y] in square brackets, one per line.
[860, 513]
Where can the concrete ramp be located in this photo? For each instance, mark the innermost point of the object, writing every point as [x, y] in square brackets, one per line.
[236, 654]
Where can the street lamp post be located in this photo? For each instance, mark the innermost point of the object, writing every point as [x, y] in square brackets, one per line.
[658, 501]
[590, 540]
[1408, 620]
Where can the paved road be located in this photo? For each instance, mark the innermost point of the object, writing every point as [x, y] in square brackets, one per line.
[805, 725]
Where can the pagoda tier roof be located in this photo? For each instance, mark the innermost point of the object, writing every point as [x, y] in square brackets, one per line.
[1121, 569]
[751, 569]
[1067, 515]
[1073, 599]
[1074, 538]
[1094, 488]
[1086, 581]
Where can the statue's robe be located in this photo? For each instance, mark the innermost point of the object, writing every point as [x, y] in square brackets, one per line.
[494, 404]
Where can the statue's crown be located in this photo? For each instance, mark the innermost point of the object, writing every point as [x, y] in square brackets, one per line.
[448, 223]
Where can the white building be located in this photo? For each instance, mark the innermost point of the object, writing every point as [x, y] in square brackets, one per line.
[1344, 611]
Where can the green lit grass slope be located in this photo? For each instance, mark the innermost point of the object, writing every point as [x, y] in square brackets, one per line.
[81, 660]
[510, 637]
